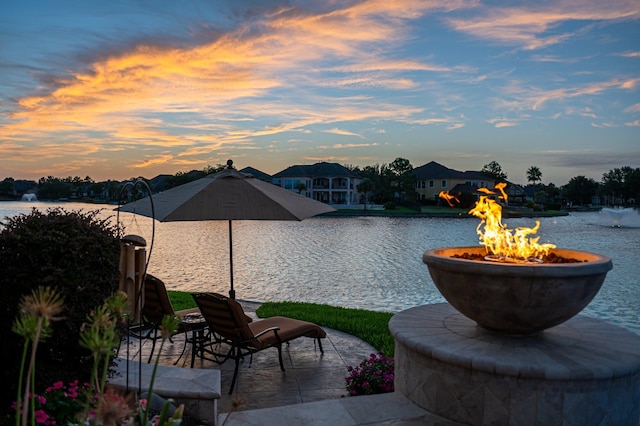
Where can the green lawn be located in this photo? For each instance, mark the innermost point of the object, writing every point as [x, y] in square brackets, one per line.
[370, 326]
[444, 210]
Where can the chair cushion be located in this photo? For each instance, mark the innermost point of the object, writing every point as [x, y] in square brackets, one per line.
[289, 329]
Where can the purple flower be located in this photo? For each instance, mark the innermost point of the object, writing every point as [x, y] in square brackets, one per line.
[373, 375]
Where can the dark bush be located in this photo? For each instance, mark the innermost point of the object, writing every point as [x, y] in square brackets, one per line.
[389, 205]
[77, 254]
[552, 206]
[467, 200]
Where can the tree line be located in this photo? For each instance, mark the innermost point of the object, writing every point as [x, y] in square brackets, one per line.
[619, 186]
[381, 183]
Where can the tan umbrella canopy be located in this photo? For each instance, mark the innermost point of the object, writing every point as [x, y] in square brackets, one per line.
[227, 195]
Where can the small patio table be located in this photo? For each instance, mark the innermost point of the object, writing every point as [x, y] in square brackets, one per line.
[196, 334]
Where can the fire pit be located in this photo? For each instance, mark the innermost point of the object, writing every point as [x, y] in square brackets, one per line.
[584, 371]
[516, 298]
[512, 284]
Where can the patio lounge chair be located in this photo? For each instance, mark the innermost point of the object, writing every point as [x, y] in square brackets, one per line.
[229, 324]
[156, 306]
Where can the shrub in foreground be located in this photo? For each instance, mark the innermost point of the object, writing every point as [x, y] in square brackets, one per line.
[74, 253]
[374, 375]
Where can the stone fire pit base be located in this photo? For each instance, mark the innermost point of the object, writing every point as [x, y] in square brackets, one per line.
[583, 372]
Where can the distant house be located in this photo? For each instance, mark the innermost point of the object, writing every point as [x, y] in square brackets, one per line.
[432, 178]
[516, 193]
[257, 174]
[329, 183]
[160, 183]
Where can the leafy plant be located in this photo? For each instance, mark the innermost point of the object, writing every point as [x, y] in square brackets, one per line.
[60, 403]
[374, 375]
[95, 404]
[74, 253]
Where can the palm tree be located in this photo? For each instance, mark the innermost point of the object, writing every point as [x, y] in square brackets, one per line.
[534, 174]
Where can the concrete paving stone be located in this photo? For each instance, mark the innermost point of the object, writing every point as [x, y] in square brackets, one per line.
[266, 395]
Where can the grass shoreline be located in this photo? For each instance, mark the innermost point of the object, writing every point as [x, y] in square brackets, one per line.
[370, 326]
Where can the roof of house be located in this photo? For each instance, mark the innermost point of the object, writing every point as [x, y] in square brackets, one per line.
[256, 174]
[433, 170]
[464, 187]
[160, 182]
[318, 169]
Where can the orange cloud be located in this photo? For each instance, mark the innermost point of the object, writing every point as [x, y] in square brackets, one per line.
[135, 99]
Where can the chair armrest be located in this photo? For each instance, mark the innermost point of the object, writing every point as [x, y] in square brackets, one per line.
[274, 329]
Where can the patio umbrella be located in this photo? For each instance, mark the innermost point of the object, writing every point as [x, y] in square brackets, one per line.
[227, 195]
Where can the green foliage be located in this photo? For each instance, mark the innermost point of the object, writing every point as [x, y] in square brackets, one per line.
[6, 188]
[620, 186]
[389, 205]
[61, 403]
[76, 254]
[370, 326]
[494, 170]
[580, 190]
[181, 300]
[444, 210]
[90, 403]
[534, 174]
[300, 186]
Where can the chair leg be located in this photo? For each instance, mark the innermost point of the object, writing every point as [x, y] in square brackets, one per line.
[280, 356]
[235, 373]
[184, 349]
[153, 344]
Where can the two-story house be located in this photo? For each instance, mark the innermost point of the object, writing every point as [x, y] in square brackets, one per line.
[329, 183]
[432, 178]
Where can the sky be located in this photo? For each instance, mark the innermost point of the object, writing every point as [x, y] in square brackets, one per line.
[119, 89]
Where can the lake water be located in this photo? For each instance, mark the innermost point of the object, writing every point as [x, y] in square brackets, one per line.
[360, 262]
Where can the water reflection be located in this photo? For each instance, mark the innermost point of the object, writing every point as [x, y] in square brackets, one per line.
[370, 263]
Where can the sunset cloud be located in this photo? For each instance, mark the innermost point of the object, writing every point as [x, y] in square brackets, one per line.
[277, 83]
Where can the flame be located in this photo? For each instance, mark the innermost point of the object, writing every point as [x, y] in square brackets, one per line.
[500, 242]
[448, 198]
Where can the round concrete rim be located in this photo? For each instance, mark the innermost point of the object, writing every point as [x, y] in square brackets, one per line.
[592, 263]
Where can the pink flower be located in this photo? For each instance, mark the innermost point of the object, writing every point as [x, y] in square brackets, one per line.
[41, 416]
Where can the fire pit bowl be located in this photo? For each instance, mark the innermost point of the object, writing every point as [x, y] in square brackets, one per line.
[516, 298]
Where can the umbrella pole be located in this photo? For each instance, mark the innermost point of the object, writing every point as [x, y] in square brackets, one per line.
[232, 292]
